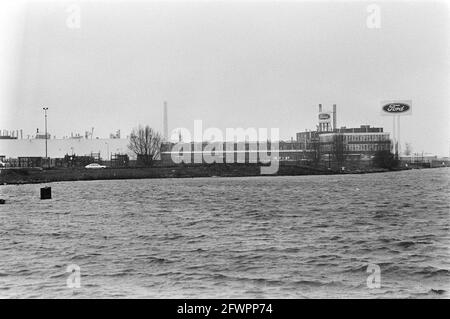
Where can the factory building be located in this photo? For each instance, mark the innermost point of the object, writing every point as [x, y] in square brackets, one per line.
[326, 144]
[226, 152]
[342, 144]
[353, 143]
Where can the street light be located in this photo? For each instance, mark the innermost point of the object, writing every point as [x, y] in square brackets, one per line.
[45, 113]
[107, 150]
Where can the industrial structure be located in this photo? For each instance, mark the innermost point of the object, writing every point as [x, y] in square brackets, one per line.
[328, 144]
[11, 135]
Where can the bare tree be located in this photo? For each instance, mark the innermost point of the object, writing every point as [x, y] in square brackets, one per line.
[145, 142]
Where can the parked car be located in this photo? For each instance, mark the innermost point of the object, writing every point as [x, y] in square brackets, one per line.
[95, 165]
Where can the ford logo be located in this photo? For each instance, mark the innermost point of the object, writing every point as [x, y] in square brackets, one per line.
[396, 107]
[324, 116]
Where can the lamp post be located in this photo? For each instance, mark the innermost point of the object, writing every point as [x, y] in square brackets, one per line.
[107, 150]
[45, 114]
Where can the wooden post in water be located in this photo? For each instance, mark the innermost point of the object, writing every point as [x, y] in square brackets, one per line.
[46, 193]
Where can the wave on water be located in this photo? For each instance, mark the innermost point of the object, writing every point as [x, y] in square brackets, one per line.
[282, 237]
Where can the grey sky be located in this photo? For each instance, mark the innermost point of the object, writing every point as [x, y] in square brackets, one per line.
[237, 64]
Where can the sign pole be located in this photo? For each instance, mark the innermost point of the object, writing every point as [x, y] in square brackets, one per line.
[393, 135]
[396, 108]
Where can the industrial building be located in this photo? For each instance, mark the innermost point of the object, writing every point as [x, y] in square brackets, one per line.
[328, 144]
[332, 143]
[10, 135]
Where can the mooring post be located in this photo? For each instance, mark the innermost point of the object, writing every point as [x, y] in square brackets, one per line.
[46, 193]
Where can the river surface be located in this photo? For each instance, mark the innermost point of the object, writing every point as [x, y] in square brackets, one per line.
[255, 237]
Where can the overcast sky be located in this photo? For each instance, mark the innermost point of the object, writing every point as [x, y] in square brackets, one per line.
[230, 64]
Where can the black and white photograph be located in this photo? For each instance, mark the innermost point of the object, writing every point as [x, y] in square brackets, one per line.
[248, 151]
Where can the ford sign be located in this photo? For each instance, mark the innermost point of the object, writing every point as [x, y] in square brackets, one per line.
[396, 107]
[324, 116]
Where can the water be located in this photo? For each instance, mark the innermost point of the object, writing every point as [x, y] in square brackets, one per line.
[281, 237]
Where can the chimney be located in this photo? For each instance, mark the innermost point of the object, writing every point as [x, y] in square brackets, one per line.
[320, 108]
[165, 124]
[334, 117]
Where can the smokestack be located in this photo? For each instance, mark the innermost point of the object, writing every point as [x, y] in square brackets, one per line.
[320, 108]
[165, 123]
[334, 117]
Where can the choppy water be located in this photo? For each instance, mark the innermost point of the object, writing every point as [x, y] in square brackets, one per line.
[303, 236]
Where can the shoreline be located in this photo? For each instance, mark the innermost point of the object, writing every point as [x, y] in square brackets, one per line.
[21, 176]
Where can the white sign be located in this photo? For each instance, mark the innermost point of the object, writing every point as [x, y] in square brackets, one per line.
[325, 117]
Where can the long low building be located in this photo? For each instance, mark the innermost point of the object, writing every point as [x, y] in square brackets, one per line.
[231, 152]
[58, 148]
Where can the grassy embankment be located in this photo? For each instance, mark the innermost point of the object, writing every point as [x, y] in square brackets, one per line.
[27, 176]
